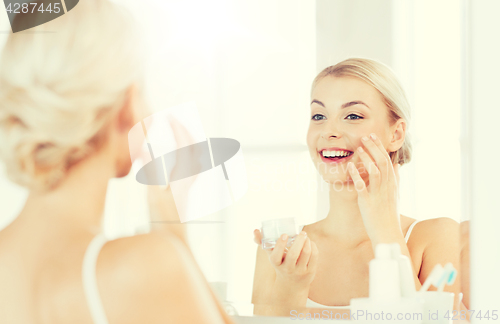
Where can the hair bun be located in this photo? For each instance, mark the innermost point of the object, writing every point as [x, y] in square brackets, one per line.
[59, 91]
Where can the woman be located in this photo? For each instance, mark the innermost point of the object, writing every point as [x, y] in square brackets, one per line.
[358, 111]
[70, 91]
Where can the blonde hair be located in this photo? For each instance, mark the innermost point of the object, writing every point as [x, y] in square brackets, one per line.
[385, 81]
[60, 85]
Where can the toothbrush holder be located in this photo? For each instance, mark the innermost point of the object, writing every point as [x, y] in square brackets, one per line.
[438, 307]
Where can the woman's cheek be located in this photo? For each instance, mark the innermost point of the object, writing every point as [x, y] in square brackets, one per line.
[309, 137]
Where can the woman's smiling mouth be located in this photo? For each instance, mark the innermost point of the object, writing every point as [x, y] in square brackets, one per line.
[335, 155]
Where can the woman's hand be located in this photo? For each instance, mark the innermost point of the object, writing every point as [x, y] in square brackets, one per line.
[295, 266]
[164, 210]
[378, 202]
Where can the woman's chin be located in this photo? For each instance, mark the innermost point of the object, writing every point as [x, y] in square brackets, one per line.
[123, 169]
[336, 179]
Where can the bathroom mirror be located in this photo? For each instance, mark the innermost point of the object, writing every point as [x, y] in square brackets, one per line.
[421, 41]
[249, 66]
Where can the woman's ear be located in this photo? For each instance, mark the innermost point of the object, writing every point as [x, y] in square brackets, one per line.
[125, 119]
[398, 131]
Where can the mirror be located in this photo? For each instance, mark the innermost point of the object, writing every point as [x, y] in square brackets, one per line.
[422, 43]
[250, 67]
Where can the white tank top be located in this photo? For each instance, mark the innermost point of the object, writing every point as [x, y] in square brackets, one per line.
[89, 279]
[312, 304]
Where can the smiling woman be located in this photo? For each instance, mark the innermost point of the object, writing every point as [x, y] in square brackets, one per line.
[357, 139]
[380, 84]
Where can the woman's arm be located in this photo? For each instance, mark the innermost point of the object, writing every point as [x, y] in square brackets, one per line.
[441, 239]
[164, 210]
[378, 201]
[163, 213]
[264, 277]
[153, 278]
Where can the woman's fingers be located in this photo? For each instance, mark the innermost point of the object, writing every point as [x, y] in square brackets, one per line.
[187, 160]
[313, 260]
[277, 254]
[371, 168]
[305, 254]
[181, 134]
[359, 183]
[379, 154]
[391, 174]
[257, 236]
[295, 250]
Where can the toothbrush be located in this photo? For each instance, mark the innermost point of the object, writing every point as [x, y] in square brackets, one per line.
[450, 276]
[434, 277]
[440, 277]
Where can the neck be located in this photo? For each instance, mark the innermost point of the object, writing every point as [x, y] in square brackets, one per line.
[78, 201]
[344, 219]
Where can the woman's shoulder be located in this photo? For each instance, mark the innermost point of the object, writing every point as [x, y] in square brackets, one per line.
[435, 229]
[438, 224]
[134, 274]
[406, 223]
[147, 278]
[130, 248]
[137, 259]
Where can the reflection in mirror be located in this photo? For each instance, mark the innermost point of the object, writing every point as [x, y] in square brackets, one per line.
[358, 138]
[330, 265]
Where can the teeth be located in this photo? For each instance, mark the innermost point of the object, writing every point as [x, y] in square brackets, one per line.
[335, 153]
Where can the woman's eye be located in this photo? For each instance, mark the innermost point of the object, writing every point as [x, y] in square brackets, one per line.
[318, 117]
[355, 117]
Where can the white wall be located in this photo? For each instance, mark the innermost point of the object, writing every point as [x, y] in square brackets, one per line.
[484, 113]
[353, 28]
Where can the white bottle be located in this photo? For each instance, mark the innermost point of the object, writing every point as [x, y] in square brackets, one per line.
[385, 292]
[384, 276]
[407, 282]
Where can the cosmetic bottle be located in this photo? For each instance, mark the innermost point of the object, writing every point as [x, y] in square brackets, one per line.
[384, 275]
[385, 299]
[406, 280]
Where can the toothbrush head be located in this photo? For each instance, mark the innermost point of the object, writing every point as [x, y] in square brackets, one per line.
[448, 277]
[441, 278]
[451, 273]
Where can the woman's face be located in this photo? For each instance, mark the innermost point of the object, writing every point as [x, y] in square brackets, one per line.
[343, 110]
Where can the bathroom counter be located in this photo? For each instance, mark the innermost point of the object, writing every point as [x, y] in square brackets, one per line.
[279, 320]
[246, 316]
[268, 320]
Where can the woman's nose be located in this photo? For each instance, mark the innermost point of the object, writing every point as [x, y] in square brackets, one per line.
[329, 130]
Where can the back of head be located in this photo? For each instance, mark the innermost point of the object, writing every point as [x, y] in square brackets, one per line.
[60, 85]
[385, 81]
